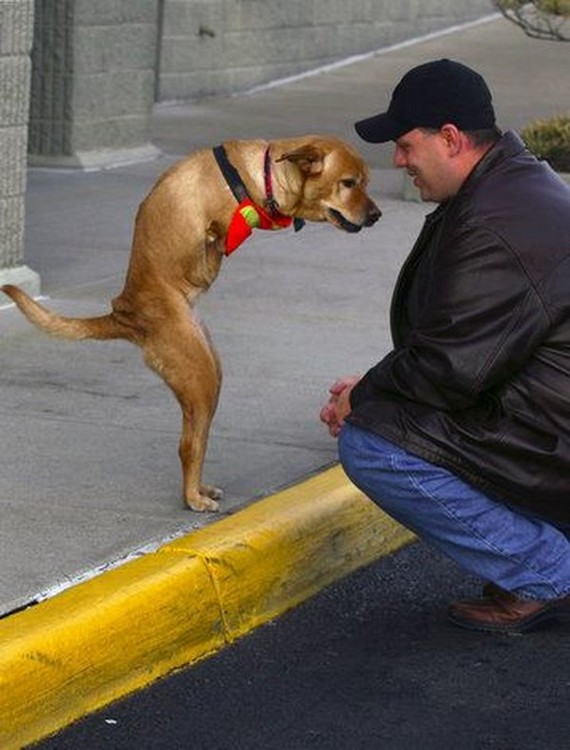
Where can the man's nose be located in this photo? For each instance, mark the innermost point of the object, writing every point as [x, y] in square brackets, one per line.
[399, 159]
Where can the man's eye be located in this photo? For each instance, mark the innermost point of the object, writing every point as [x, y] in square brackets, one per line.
[348, 183]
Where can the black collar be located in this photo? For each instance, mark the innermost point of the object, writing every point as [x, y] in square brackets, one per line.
[239, 190]
[231, 174]
[236, 183]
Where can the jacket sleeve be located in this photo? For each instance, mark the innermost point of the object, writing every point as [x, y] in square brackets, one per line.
[473, 318]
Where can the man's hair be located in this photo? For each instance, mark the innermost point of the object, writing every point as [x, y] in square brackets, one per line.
[478, 138]
[485, 137]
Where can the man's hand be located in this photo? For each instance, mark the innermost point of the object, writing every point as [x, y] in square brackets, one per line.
[335, 411]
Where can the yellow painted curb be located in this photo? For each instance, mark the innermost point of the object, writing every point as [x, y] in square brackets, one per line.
[116, 633]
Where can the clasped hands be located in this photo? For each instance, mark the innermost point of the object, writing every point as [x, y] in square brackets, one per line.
[337, 408]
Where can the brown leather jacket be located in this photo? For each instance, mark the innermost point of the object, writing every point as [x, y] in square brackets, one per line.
[478, 380]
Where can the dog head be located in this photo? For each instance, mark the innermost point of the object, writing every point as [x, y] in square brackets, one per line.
[327, 181]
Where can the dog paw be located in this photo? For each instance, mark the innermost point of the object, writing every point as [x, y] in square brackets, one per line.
[215, 493]
[201, 503]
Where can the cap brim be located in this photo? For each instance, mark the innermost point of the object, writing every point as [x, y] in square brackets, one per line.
[380, 128]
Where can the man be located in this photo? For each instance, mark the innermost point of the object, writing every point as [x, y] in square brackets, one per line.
[462, 432]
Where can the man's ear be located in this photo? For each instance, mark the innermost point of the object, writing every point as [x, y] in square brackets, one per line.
[308, 158]
[452, 138]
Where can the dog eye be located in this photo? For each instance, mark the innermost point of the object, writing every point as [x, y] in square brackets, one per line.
[348, 183]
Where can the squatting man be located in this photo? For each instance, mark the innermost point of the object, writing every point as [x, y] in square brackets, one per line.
[462, 431]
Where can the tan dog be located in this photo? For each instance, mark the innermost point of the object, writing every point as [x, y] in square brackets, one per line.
[181, 235]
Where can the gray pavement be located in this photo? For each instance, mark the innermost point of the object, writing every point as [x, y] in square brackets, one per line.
[88, 463]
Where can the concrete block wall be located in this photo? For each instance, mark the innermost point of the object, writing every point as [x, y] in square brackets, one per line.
[93, 81]
[222, 46]
[97, 66]
[16, 23]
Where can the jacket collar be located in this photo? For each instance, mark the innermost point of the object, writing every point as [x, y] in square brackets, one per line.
[508, 146]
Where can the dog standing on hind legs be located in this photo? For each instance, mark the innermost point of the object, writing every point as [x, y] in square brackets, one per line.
[198, 212]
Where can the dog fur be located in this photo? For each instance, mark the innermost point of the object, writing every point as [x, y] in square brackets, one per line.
[177, 250]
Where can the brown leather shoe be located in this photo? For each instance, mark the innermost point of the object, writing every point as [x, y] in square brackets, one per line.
[492, 591]
[502, 612]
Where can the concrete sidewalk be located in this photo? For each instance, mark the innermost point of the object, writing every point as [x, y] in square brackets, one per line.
[89, 472]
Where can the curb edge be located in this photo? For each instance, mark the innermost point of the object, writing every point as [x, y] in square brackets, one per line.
[114, 634]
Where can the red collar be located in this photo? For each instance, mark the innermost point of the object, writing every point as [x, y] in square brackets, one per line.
[270, 201]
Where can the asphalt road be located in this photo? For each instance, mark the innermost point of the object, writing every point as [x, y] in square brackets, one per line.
[369, 663]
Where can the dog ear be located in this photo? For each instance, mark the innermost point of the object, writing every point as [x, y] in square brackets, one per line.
[308, 158]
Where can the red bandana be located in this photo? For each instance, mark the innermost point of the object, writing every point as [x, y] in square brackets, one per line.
[249, 216]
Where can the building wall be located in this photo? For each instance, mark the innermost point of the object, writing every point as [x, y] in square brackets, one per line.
[93, 80]
[15, 42]
[222, 46]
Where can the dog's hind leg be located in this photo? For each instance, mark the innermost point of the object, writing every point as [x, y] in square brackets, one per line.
[182, 354]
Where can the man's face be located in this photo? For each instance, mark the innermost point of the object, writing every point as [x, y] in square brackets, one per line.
[426, 158]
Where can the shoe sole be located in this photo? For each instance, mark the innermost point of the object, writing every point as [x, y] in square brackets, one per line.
[519, 628]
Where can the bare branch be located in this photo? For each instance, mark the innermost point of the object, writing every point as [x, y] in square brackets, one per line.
[540, 19]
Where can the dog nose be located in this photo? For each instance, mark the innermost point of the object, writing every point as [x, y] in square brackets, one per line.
[374, 214]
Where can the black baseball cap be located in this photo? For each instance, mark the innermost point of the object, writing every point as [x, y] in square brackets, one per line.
[430, 95]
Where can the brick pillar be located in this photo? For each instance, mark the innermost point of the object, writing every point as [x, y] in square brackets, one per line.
[16, 24]
[93, 77]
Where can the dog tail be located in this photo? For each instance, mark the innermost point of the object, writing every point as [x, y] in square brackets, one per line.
[104, 327]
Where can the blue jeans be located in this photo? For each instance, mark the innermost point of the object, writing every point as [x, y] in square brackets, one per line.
[521, 553]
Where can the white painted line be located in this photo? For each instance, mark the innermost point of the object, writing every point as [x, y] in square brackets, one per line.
[368, 55]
